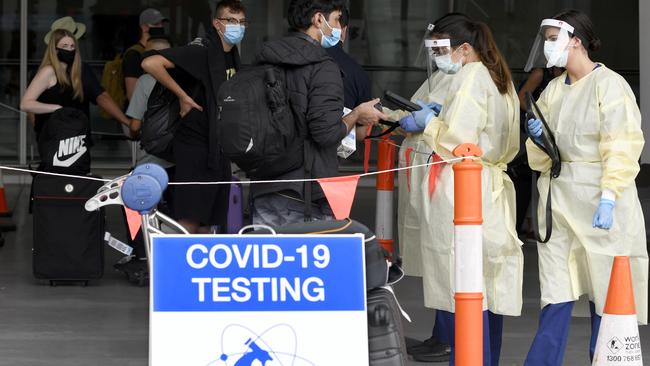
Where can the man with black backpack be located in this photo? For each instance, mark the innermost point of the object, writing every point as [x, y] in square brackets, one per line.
[196, 72]
[315, 93]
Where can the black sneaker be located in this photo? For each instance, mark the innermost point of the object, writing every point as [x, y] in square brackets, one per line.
[136, 270]
[423, 346]
[438, 353]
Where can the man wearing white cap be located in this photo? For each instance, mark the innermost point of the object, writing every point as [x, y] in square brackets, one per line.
[149, 18]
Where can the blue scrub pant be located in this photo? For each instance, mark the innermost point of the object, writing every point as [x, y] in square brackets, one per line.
[550, 341]
[441, 327]
[492, 333]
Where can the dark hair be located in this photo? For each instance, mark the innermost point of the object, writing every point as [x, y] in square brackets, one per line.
[450, 17]
[583, 28]
[345, 17]
[301, 11]
[461, 29]
[235, 6]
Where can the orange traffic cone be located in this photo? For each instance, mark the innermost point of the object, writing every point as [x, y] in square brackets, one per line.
[618, 336]
[4, 208]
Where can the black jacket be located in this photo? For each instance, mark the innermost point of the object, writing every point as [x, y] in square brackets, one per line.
[204, 61]
[356, 83]
[316, 95]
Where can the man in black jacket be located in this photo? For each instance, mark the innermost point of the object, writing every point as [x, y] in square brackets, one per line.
[356, 83]
[196, 72]
[316, 96]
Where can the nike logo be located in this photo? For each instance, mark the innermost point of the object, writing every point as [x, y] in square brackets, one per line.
[70, 150]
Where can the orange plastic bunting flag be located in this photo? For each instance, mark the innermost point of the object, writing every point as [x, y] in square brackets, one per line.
[340, 194]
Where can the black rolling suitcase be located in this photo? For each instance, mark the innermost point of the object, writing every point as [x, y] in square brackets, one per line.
[68, 240]
[386, 343]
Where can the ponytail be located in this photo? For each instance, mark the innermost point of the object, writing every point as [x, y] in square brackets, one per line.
[461, 29]
[492, 58]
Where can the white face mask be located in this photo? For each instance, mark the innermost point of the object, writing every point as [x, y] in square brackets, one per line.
[446, 64]
[556, 56]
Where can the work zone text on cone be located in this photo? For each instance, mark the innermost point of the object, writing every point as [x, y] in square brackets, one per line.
[618, 337]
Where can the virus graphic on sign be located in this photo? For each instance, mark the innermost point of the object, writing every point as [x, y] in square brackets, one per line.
[276, 346]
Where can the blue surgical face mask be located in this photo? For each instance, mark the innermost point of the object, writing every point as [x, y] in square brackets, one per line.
[447, 65]
[330, 41]
[234, 33]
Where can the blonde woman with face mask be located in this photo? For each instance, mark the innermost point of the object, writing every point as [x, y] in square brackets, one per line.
[63, 80]
[57, 83]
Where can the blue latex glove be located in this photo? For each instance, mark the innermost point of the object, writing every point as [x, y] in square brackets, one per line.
[535, 129]
[604, 216]
[424, 115]
[436, 108]
[408, 124]
[411, 123]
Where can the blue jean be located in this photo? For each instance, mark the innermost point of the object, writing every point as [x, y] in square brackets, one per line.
[492, 335]
[552, 335]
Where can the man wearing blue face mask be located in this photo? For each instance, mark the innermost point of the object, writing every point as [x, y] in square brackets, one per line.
[315, 91]
[194, 74]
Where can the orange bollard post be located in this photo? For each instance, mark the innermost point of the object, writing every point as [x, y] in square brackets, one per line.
[468, 252]
[385, 192]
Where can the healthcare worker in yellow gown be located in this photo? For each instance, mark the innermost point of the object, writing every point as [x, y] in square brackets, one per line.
[481, 107]
[415, 151]
[593, 114]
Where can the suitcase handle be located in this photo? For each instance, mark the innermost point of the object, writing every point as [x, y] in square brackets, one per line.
[254, 227]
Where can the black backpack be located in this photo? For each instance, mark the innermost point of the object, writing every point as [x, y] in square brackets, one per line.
[162, 118]
[257, 129]
[160, 122]
[64, 142]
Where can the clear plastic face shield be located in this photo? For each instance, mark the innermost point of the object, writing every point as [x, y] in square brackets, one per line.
[422, 59]
[443, 57]
[551, 45]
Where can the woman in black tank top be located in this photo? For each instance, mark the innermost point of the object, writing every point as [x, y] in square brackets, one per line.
[57, 83]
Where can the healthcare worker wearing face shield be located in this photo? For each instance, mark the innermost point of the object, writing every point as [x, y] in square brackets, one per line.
[593, 114]
[481, 107]
[415, 151]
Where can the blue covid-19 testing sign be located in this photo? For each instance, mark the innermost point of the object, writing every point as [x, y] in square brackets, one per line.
[240, 300]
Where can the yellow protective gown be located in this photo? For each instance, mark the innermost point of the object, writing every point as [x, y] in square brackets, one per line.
[475, 112]
[597, 127]
[410, 200]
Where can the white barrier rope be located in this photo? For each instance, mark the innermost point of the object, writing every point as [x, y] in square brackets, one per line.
[400, 146]
[2, 167]
[317, 179]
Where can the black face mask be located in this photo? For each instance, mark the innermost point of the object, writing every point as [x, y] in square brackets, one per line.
[65, 56]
